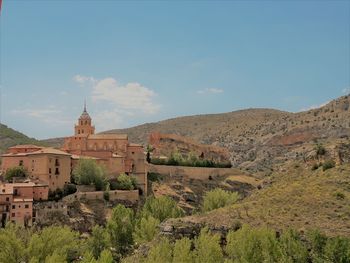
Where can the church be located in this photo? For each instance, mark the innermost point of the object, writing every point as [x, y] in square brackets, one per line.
[114, 151]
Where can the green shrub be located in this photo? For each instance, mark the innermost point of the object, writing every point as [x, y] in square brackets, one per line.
[69, 189]
[182, 251]
[161, 252]
[18, 171]
[218, 198]
[125, 182]
[328, 165]
[339, 195]
[153, 177]
[146, 229]
[207, 248]
[161, 208]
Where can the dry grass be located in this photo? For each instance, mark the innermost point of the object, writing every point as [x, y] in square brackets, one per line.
[299, 198]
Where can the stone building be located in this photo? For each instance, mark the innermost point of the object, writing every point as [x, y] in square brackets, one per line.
[16, 201]
[111, 150]
[48, 165]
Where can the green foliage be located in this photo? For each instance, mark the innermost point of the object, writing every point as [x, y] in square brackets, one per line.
[88, 172]
[253, 245]
[55, 195]
[218, 198]
[120, 228]
[337, 250]
[182, 251]
[320, 149]
[54, 239]
[340, 195]
[56, 257]
[176, 159]
[12, 249]
[318, 243]
[293, 250]
[207, 248]
[98, 241]
[69, 189]
[162, 252]
[328, 165]
[161, 208]
[146, 229]
[154, 177]
[105, 257]
[17, 171]
[125, 182]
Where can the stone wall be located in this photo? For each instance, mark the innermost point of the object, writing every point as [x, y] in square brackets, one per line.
[123, 195]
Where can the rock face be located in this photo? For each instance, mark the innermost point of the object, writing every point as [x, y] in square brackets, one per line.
[166, 144]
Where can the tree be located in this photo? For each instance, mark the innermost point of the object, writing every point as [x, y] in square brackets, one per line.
[12, 248]
[105, 257]
[55, 257]
[98, 241]
[88, 172]
[17, 171]
[120, 228]
[337, 250]
[161, 208]
[253, 245]
[54, 239]
[218, 198]
[182, 251]
[146, 229]
[149, 150]
[293, 250]
[207, 248]
[161, 252]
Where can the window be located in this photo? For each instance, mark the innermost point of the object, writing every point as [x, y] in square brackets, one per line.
[78, 131]
[49, 170]
[13, 214]
[57, 163]
[7, 199]
[82, 131]
[13, 206]
[26, 206]
[20, 162]
[132, 152]
[57, 171]
[3, 190]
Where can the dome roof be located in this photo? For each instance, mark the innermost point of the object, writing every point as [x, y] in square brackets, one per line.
[85, 115]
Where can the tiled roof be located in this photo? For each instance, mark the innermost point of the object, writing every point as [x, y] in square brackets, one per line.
[49, 151]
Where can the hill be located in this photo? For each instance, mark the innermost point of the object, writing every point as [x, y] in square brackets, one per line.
[10, 137]
[296, 197]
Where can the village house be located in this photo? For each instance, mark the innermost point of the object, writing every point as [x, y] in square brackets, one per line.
[16, 201]
[114, 151]
[47, 165]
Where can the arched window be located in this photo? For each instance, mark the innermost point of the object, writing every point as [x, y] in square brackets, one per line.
[78, 131]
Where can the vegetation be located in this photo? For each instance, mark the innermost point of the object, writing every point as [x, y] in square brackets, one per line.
[125, 182]
[161, 208]
[176, 159]
[217, 198]
[320, 150]
[88, 172]
[328, 165]
[17, 171]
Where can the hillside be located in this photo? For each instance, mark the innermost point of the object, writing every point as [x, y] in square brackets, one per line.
[10, 137]
[296, 198]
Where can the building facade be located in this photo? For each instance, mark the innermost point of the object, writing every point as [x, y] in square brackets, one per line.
[16, 201]
[111, 150]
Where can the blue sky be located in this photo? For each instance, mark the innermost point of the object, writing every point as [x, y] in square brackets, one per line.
[137, 62]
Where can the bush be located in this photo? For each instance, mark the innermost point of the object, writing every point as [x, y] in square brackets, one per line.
[125, 182]
[146, 229]
[69, 189]
[207, 247]
[339, 195]
[218, 198]
[328, 165]
[88, 172]
[320, 149]
[18, 171]
[153, 177]
[161, 208]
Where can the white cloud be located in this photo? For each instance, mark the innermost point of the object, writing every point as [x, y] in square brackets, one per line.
[80, 79]
[132, 96]
[48, 115]
[210, 91]
[346, 90]
[107, 120]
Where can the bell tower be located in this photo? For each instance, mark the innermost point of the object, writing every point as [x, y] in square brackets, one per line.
[84, 126]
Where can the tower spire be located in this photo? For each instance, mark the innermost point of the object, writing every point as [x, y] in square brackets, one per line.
[84, 105]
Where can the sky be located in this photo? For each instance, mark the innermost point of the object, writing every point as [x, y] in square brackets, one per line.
[144, 61]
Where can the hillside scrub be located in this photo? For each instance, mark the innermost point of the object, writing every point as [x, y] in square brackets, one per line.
[217, 198]
[192, 160]
[88, 172]
[125, 182]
